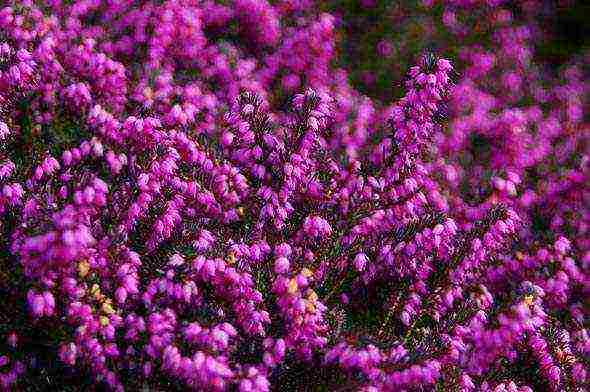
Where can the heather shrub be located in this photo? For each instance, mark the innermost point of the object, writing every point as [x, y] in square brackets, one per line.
[199, 195]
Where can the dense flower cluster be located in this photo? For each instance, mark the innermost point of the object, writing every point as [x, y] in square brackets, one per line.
[193, 197]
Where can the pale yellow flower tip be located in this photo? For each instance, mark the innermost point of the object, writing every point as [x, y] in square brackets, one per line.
[306, 272]
[292, 286]
[83, 268]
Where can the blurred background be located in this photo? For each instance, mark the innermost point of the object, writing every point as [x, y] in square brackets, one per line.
[383, 38]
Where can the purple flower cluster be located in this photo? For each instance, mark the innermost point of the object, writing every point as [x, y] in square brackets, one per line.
[193, 197]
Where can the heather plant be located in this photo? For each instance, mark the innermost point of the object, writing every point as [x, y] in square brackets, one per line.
[194, 197]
